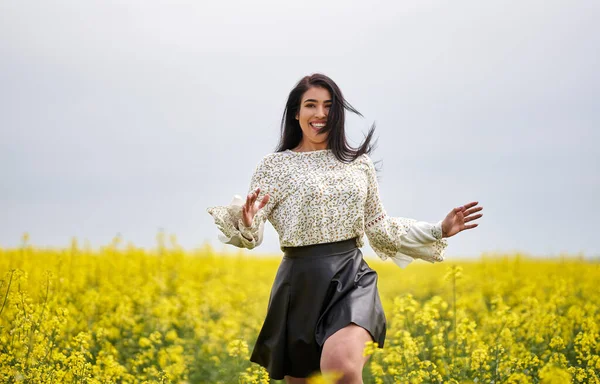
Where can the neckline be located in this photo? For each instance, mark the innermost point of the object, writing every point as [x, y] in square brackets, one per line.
[315, 151]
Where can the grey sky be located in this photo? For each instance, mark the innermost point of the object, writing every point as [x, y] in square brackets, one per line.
[130, 118]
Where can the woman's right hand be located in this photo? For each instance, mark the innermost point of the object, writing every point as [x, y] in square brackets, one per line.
[251, 207]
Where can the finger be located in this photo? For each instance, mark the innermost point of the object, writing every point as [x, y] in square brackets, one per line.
[471, 204]
[471, 218]
[471, 226]
[252, 196]
[472, 210]
[264, 201]
[249, 202]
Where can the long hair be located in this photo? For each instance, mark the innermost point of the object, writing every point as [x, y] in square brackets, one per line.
[291, 133]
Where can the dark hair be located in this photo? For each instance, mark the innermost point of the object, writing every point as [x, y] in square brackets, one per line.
[291, 133]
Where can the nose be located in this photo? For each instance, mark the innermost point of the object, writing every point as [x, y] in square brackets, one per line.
[320, 113]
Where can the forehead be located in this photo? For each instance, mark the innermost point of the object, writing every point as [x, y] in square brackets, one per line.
[316, 93]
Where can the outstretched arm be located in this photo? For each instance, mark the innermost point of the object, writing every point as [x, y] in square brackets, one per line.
[242, 222]
[401, 239]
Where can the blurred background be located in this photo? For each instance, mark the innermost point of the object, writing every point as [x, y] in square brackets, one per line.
[133, 117]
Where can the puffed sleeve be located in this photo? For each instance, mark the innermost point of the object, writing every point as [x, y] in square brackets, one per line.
[229, 218]
[398, 238]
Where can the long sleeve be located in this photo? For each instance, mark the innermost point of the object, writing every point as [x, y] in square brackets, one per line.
[398, 238]
[229, 218]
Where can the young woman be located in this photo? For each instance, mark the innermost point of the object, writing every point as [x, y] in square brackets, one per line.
[322, 197]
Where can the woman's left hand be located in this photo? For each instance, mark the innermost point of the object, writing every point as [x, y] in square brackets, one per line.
[457, 219]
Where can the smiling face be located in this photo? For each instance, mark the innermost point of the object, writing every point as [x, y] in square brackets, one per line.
[312, 116]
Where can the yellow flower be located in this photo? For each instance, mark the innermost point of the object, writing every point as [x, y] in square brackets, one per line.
[171, 315]
[553, 375]
[237, 348]
[144, 342]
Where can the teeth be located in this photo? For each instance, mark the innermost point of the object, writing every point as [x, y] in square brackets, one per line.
[317, 125]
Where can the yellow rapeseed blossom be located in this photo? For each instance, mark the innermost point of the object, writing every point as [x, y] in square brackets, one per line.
[325, 378]
[237, 348]
[168, 315]
[550, 374]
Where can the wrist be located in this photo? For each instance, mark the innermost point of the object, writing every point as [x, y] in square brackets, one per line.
[242, 223]
[439, 232]
[245, 231]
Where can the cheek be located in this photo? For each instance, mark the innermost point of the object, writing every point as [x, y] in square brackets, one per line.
[304, 116]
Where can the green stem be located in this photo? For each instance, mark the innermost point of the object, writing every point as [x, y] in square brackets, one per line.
[7, 290]
[496, 370]
[454, 306]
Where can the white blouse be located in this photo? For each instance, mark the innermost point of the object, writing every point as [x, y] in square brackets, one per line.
[315, 198]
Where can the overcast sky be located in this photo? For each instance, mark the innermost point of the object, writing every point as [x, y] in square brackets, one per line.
[128, 118]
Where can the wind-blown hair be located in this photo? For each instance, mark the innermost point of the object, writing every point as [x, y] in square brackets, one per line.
[291, 133]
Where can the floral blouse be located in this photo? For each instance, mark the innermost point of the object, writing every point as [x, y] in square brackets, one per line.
[315, 198]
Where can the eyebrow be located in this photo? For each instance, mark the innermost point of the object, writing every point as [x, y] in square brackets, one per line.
[314, 101]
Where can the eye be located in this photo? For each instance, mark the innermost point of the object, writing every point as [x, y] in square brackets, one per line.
[309, 105]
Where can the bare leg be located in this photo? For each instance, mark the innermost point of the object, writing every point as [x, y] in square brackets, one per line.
[342, 352]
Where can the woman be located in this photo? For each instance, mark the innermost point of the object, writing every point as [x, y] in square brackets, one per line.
[322, 196]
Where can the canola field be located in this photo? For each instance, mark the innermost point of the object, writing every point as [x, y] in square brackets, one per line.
[122, 314]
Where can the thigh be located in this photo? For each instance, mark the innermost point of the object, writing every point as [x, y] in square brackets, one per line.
[346, 346]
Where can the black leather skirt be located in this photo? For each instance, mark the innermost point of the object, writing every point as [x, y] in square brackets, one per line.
[318, 290]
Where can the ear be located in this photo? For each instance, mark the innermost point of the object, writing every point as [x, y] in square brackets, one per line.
[296, 116]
